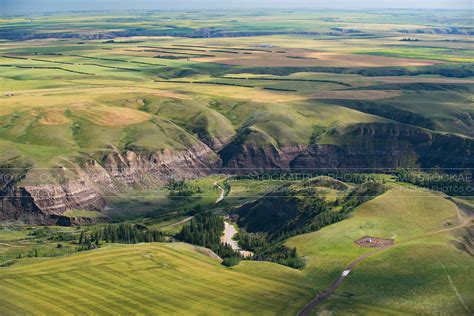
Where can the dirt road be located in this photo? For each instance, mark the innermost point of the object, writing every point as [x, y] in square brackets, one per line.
[187, 219]
[221, 196]
[332, 288]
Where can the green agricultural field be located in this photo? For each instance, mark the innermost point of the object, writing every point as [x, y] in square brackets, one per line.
[154, 278]
[64, 93]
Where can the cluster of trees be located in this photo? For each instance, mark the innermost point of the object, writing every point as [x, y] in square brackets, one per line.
[314, 213]
[321, 220]
[181, 188]
[281, 254]
[266, 249]
[205, 229]
[42, 232]
[7, 263]
[129, 234]
[251, 241]
[88, 241]
[121, 233]
[63, 236]
[361, 194]
[30, 254]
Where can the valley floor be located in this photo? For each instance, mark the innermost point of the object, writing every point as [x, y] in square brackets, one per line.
[426, 271]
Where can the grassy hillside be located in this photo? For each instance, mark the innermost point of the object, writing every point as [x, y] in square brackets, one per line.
[425, 272]
[152, 278]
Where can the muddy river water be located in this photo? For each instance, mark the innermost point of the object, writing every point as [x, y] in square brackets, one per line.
[229, 232]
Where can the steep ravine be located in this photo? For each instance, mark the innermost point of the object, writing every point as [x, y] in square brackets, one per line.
[368, 146]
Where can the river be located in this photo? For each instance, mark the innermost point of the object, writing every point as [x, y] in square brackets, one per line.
[229, 233]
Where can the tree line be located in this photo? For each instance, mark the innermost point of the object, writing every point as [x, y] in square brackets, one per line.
[121, 233]
[268, 250]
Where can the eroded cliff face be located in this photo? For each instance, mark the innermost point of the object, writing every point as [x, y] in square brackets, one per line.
[57, 198]
[153, 169]
[366, 146]
[46, 203]
[252, 158]
[370, 146]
